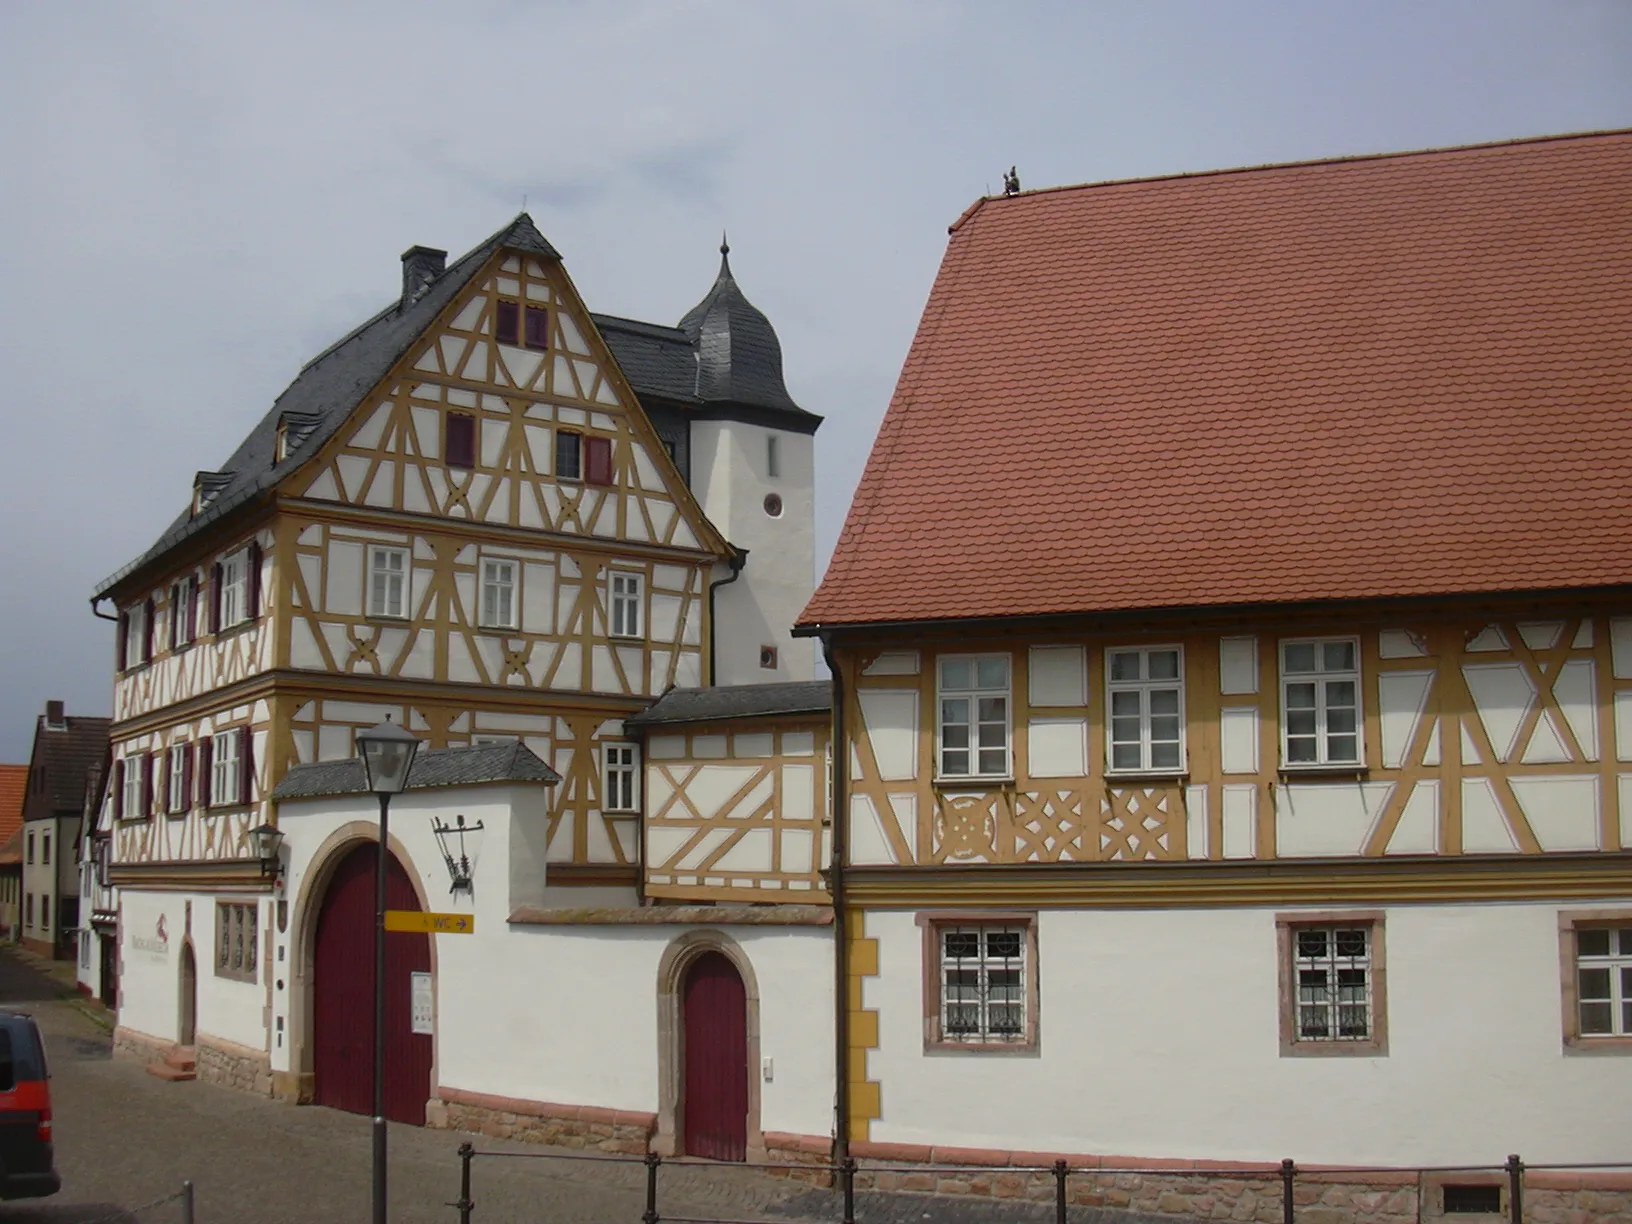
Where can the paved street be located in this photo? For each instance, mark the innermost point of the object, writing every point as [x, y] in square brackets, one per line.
[125, 1138]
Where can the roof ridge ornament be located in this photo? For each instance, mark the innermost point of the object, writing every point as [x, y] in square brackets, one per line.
[1011, 183]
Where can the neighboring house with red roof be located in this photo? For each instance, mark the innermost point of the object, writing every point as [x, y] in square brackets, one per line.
[1239, 596]
[68, 750]
[13, 786]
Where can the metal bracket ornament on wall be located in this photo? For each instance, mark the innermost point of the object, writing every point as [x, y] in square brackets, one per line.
[450, 839]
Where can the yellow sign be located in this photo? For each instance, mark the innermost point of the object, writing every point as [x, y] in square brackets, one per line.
[430, 924]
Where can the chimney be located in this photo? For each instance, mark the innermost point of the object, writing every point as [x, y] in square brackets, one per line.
[54, 718]
[420, 266]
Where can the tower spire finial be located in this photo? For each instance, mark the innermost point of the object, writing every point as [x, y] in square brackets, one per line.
[725, 246]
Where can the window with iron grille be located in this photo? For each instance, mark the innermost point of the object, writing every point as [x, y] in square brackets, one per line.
[622, 775]
[982, 984]
[1320, 702]
[974, 722]
[1332, 984]
[235, 932]
[1603, 980]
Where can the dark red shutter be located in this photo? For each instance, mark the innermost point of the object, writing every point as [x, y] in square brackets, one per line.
[508, 324]
[175, 613]
[252, 559]
[538, 327]
[460, 447]
[186, 778]
[147, 629]
[147, 786]
[192, 607]
[119, 789]
[206, 761]
[215, 598]
[123, 629]
[246, 764]
[598, 461]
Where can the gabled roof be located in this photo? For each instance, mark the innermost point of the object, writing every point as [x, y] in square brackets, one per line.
[727, 701]
[1382, 377]
[69, 756]
[331, 387]
[13, 789]
[475, 766]
[11, 852]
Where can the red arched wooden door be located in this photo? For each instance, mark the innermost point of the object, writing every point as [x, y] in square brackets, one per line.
[343, 995]
[714, 1009]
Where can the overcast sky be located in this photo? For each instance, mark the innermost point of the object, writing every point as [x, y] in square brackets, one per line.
[197, 197]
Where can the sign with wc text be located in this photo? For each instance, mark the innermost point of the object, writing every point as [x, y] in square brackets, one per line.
[430, 924]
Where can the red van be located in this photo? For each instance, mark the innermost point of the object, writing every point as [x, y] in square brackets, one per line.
[27, 1167]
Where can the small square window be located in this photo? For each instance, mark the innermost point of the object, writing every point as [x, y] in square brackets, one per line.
[982, 991]
[569, 455]
[1331, 975]
[767, 657]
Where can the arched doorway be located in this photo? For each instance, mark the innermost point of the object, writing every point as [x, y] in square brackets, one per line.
[714, 1055]
[187, 1009]
[343, 995]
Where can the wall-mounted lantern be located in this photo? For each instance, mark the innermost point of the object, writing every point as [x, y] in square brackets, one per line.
[265, 841]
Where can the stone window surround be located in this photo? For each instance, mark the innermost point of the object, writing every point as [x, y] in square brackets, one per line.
[931, 923]
[1376, 1046]
[1568, 923]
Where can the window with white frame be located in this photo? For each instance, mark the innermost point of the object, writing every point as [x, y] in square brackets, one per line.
[224, 765]
[974, 722]
[131, 802]
[1145, 694]
[1333, 971]
[1320, 702]
[235, 589]
[1603, 980]
[982, 984]
[498, 604]
[388, 582]
[626, 604]
[176, 797]
[621, 793]
[136, 635]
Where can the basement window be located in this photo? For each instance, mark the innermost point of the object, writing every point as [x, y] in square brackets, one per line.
[1473, 1200]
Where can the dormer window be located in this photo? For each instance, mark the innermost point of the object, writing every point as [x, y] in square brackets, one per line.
[527, 326]
[207, 486]
[293, 429]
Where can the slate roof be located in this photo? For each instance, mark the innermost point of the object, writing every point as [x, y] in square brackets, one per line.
[439, 767]
[735, 701]
[13, 789]
[69, 757]
[1382, 377]
[331, 387]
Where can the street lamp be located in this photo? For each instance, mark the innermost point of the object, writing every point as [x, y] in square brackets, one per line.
[266, 841]
[388, 753]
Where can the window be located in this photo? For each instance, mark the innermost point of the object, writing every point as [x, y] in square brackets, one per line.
[773, 456]
[981, 987]
[1471, 1200]
[621, 775]
[183, 611]
[225, 774]
[28, 910]
[626, 601]
[178, 779]
[598, 461]
[1331, 973]
[1145, 694]
[1596, 949]
[537, 335]
[388, 582]
[136, 635]
[1320, 702]
[459, 440]
[974, 723]
[45, 850]
[568, 455]
[235, 940]
[498, 607]
[767, 657]
[31, 849]
[134, 768]
[236, 588]
[507, 323]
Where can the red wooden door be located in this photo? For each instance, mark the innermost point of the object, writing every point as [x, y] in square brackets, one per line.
[343, 996]
[715, 1022]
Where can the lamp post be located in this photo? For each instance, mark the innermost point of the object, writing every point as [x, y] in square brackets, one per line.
[388, 753]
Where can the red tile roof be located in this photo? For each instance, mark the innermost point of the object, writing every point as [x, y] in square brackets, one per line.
[13, 790]
[1380, 377]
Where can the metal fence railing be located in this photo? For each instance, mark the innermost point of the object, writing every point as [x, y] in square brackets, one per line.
[1071, 1184]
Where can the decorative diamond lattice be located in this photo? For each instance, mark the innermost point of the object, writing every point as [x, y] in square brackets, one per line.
[1134, 822]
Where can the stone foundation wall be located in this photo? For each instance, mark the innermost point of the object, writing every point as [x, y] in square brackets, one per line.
[140, 1047]
[584, 1127]
[225, 1062]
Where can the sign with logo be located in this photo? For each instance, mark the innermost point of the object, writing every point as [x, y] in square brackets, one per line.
[430, 924]
[156, 944]
[424, 1004]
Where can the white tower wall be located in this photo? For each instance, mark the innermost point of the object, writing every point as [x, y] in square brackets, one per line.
[731, 478]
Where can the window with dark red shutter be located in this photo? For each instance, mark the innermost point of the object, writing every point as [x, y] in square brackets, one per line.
[507, 324]
[123, 629]
[598, 461]
[215, 598]
[246, 764]
[569, 457]
[459, 442]
[206, 758]
[119, 789]
[252, 583]
[538, 327]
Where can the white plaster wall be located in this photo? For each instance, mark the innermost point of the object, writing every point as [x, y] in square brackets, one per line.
[1160, 1038]
[566, 1014]
[150, 978]
[728, 476]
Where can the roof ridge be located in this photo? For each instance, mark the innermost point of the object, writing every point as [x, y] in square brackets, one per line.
[1306, 163]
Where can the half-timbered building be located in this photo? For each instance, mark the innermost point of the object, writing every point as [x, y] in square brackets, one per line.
[1232, 633]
